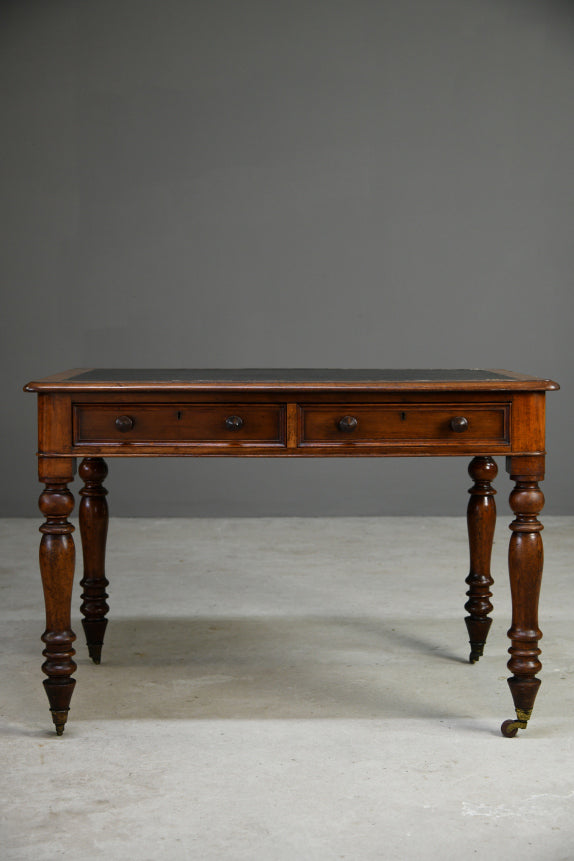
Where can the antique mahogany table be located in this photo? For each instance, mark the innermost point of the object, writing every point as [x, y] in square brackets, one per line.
[97, 413]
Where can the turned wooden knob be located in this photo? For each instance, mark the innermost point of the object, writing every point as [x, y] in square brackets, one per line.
[124, 423]
[348, 423]
[459, 424]
[234, 422]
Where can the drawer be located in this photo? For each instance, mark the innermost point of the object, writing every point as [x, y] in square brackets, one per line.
[377, 424]
[219, 424]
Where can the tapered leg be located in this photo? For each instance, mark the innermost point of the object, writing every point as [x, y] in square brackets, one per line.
[481, 520]
[525, 560]
[94, 530]
[57, 556]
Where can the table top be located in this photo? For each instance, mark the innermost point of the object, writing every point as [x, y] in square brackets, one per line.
[387, 379]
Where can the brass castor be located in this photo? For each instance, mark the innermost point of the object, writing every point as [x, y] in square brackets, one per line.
[59, 718]
[510, 727]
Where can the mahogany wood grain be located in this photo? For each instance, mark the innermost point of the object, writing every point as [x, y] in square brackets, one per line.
[93, 531]
[128, 445]
[57, 558]
[525, 561]
[181, 422]
[528, 422]
[293, 430]
[383, 424]
[91, 413]
[481, 520]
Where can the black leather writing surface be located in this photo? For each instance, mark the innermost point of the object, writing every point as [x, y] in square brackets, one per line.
[287, 375]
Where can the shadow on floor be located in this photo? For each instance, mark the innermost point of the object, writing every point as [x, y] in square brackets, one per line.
[279, 667]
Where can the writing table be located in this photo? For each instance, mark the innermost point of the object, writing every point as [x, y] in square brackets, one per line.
[100, 413]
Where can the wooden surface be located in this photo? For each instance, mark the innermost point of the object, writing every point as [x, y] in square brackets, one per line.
[481, 520]
[91, 413]
[276, 422]
[182, 423]
[377, 423]
[385, 379]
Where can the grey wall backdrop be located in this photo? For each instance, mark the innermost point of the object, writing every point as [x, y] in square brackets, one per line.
[238, 183]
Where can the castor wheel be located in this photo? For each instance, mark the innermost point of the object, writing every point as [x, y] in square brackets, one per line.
[509, 728]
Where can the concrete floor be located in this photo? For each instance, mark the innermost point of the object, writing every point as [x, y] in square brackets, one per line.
[287, 690]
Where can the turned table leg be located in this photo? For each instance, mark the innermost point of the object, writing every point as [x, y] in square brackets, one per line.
[525, 560]
[57, 556]
[94, 530]
[481, 520]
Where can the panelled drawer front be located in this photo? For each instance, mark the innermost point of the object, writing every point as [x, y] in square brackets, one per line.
[218, 424]
[377, 424]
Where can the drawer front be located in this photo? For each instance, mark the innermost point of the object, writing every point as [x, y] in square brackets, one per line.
[227, 425]
[374, 424]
